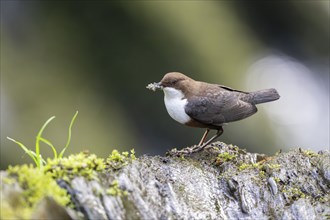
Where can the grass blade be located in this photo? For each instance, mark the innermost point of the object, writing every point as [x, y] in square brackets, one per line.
[50, 145]
[38, 156]
[29, 152]
[42, 160]
[69, 136]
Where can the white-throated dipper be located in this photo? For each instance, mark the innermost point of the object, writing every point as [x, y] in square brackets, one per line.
[206, 105]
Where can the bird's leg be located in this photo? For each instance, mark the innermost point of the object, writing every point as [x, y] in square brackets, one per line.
[201, 141]
[198, 147]
[204, 136]
[219, 132]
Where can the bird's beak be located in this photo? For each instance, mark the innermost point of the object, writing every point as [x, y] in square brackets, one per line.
[154, 86]
[159, 85]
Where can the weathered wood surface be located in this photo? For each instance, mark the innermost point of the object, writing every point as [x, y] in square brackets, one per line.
[222, 182]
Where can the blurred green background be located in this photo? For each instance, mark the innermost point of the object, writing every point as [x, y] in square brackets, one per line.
[97, 57]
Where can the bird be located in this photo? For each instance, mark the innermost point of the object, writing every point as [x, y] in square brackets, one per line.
[207, 105]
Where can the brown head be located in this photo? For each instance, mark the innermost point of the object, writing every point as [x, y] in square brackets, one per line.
[176, 80]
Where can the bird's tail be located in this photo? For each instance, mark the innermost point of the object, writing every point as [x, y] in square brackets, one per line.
[266, 95]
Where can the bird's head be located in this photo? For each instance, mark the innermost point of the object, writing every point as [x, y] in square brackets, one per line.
[175, 84]
[175, 80]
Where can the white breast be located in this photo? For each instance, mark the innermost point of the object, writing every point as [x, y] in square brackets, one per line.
[175, 104]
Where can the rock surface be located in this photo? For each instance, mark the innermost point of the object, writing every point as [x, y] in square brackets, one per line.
[221, 182]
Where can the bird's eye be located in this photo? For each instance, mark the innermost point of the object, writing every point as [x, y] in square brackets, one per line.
[173, 82]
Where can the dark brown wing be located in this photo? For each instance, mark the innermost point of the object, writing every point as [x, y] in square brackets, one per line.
[231, 89]
[221, 107]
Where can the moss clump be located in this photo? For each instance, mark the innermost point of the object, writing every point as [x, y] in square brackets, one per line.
[309, 153]
[82, 164]
[117, 160]
[262, 174]
[262, 168]
[273, 166]
[36, 184]
[17, 212]
[182, 158]
[244, 166]
[324, 199]
[277, 179]
[259, 165]
[224, 157]
[114, 189]
[294, 193]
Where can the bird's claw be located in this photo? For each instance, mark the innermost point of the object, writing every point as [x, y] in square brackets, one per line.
[185, 151]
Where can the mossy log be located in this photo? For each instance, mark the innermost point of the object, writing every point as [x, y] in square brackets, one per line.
[221, 182]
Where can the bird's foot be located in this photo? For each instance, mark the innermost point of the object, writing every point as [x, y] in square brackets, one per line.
[198, 148]
[186, 151]
[180, 153]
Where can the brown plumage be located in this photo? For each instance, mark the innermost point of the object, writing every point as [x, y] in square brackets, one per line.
[210, 105]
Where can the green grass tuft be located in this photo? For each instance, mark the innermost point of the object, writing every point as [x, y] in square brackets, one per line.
[36, 156]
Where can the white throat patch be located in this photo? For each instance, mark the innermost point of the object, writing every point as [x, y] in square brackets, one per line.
[175, 104]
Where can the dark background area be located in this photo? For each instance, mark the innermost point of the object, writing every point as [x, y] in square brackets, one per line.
[97, 57]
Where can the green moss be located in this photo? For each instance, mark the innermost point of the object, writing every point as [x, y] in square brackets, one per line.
[323, 199]
[82, 164]
[294, 193]
[224, 157]
[262, 174]
[309, 153]
[36, 184]
[244, 166]
[8, 180]
[114, 189]
[277, 179]
[17, 212]
[117, 160]
[259, 166]
[235, 147]
[181, 188]
[273, 166]
[182, 157]
[86, 165]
